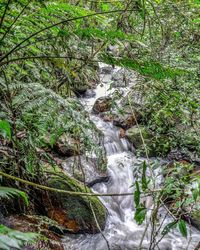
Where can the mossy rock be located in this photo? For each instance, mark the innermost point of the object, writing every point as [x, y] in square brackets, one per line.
[195, 219]
[75, 212]
[134, 136]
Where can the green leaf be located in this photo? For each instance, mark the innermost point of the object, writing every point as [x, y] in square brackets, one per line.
[144, 179]
[7, 192]
[140, 214]
[137, 194]
[168, 227]
[5, 128]
[182, 227]
[10, 238]
[195, 194]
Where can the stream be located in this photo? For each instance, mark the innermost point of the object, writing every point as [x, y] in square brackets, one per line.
[121, 230]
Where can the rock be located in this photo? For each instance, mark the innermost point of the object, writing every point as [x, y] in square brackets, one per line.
[102, 104]
[124, 121]
[38, 224]
[105, 69]
[89, 93]
[74, 212]
[82, 168]
[80, 88]
[122, 133]
[66, 146]
[195, 217]
[113, 49]
[120, 78]
[134, 136]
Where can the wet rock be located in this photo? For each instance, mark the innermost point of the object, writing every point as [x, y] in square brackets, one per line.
[84, 169]
[134, 136]
[106, 69]
[124, 121]
[89, 93]
[102, 104]
[121, 78]
[80, 87]
[38, 224]
[122, 133]
[74, 212]
[66, 146]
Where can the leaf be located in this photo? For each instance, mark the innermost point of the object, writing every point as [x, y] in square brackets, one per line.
[10, 238]
[195, 194]
[144, 179]
[137, 194]
[7, 192]
[5, 128]
[140, 214]
[182, 227]
[168, 227]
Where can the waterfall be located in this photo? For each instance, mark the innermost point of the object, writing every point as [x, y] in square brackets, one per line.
[121, 230]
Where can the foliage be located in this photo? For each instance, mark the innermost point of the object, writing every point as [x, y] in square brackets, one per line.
[6, 192]
[49, 54]
[177, 193]
[10, 238]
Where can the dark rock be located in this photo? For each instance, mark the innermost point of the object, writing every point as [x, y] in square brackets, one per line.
[84, 169]
[66, 146]
[106, 69]
[74, 212]
[102, 104]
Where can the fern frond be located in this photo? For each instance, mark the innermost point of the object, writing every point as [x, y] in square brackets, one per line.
[13, 239]
[7, 192]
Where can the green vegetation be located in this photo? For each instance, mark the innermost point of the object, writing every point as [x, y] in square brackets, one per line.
[49, 55]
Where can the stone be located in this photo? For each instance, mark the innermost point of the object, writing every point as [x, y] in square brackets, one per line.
[66, 146]
[74, 212]
[102, 104]
[80, 87]
[122, 133]
[134, 136]
[85, 169]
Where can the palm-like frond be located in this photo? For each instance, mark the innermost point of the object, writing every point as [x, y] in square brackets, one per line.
[7, 192]
[13, 239]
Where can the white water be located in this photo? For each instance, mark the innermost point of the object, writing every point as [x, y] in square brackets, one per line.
[121, 231]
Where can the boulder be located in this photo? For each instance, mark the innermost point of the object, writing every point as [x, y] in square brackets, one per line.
[120, 78]
[66, 146]
[105, 69]
[84, 169]
[134, 136]
[102, 104]
[74, 212]
[80, 87]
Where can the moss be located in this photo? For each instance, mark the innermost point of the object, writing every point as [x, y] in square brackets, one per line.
[78, 208]
[195, 218]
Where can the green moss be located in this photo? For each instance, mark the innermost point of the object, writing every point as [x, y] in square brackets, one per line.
[78, 208]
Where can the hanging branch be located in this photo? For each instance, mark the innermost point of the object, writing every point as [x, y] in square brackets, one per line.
[56, 24]
[10, 27]
[4, 14]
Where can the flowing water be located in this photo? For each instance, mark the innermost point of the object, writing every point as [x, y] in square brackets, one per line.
[121, 231]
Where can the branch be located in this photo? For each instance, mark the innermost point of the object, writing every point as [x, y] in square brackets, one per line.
[10, 27]
[56, 24]
[45, 58]
[58, 190]
[2, 18]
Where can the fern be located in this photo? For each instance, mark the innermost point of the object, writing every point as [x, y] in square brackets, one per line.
[7, 192]
[147, 68]
[10, 238]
